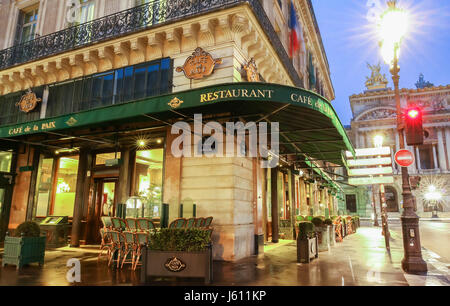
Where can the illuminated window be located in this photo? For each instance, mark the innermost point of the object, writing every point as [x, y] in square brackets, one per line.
[66, 183]
[5, 161]
[149, 179]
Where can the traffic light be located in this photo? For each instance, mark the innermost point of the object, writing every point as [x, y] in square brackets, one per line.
[414, 126]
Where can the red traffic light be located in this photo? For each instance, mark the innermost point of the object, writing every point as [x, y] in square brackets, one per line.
[414, 126]
[413, 113]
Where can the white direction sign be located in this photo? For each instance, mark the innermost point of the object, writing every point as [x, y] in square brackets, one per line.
[359, 181]
[371, 166]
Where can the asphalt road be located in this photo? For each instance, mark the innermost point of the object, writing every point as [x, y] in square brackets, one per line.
[434, 236]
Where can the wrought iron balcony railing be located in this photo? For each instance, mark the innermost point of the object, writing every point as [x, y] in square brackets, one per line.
[142, 17]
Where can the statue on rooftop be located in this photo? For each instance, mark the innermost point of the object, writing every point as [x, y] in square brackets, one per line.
[421, 84]
[376, 80]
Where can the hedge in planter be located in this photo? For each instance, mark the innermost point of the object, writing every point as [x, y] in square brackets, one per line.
[178, 253]
[26, 247]
[307, 242]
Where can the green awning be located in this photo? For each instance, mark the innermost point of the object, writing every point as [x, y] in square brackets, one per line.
[309, 125]
[331, 184]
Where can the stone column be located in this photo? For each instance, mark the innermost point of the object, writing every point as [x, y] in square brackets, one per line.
[435, 157]
[441, 150]
[419, 167]
[356, 137]
[362, 142]
[447, 142]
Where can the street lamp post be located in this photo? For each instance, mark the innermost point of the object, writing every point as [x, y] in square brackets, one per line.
[395, 20]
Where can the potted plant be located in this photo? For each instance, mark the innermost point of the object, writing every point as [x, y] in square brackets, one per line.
[332, 231]
[323, 233]
[25, 247]
[307, 243]
[178, 253]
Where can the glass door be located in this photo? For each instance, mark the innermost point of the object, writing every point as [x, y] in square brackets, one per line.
[103, 204]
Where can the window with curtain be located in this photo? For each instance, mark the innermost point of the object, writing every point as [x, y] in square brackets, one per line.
[26, 25]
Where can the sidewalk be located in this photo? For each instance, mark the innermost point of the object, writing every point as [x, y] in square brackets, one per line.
[361, 260]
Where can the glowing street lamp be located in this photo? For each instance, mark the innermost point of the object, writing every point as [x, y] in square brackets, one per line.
[434, 196]
[392, 28]
[378, 141]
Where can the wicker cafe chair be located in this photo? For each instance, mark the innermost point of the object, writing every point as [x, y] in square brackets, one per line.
[129, 248]
[116, 225]
[141, 240]
[198, 222]
[106, 243]
[145, 224]
[190, 223]
[338, 230]
[107, 223]
[178, 223]
[116, 247]
[349, 225]
[123, 224]
[207, 222]
[132, 224]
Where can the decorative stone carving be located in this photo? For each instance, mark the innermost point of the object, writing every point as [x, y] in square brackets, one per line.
[379, 114]
[252, 71]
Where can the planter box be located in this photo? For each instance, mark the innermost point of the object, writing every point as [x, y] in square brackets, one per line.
[333, 235]
[324, 238]
[177, 264]
[23, 251]
[307, 249]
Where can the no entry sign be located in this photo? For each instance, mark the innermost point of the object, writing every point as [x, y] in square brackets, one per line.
[404, 158]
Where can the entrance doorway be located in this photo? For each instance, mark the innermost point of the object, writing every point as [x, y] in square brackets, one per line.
[103, 203]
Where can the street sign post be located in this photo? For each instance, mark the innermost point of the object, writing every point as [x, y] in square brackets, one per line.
[404, 158]
[373, 166]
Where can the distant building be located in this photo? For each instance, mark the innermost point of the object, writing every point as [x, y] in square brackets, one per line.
[374, 113]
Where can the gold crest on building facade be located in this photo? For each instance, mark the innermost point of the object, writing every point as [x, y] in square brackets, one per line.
[28, 102]
[252, 71]
[199, 65]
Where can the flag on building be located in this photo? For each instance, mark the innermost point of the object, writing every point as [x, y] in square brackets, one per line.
[295, 32]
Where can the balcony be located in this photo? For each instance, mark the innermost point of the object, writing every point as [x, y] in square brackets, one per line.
[147, 16]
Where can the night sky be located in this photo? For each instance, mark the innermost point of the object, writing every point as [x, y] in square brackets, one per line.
[350, 42]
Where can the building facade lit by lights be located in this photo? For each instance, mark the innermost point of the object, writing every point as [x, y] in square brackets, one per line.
[374, 113]
[89, 94]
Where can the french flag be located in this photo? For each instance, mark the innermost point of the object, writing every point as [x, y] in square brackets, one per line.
[294, 27]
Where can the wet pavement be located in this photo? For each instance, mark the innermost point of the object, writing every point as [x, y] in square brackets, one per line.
[360, 260]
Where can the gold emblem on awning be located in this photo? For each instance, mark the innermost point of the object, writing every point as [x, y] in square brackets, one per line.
[175, 103]
[28, 102]
[199, 65]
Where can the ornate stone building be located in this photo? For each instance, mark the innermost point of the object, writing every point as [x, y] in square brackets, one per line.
[108, 80]
[374, 113]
